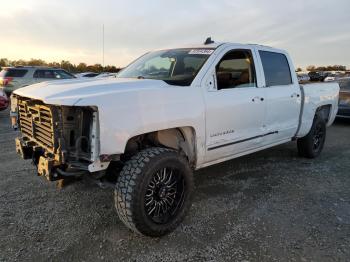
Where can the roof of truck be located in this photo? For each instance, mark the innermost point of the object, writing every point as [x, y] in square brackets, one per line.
[214, 45]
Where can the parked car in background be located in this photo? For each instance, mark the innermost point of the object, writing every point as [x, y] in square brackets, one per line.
[4, 101]
[107, 75]
[317, 76]
[344, 98]
[87, 74]
[331, 77]
[96, 75]
[12, 78]
[303, 77]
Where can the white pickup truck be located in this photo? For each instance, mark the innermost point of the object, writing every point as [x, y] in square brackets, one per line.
[168, 113]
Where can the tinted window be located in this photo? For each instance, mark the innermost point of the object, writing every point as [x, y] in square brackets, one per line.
[91, 75]
[13, 72]
[236, 69]
[44, 74]
[344, 84]
[276, 68]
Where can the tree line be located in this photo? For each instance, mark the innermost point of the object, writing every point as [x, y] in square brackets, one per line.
[98, 68]
[66, 65]
[313, 68]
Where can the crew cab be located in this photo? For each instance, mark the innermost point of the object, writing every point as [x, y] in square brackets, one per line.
[167, 114]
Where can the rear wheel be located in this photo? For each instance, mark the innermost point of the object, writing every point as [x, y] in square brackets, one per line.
[312, 144]
[153, 191]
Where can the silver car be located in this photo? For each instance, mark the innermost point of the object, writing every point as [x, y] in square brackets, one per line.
[344, 97]
[12, 78]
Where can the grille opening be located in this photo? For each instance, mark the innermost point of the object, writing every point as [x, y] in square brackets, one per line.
[77, 124]
[56, 129]
[87, 122]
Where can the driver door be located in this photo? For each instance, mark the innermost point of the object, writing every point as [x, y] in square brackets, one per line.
[235, 106]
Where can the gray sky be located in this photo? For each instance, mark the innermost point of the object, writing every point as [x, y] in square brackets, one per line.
[313, 31]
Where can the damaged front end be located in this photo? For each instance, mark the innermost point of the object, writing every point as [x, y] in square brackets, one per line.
[63, 141]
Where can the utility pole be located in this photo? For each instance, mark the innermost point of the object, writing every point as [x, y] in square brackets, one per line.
[103, 45]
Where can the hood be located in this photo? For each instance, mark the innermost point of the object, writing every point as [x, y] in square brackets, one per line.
[69, 92]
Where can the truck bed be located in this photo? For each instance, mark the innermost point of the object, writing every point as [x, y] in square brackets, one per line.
[315, 96]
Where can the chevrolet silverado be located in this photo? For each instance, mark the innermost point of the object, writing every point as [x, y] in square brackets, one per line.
[167, 114]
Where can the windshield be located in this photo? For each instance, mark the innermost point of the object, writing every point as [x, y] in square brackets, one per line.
[174, 66]
[63, 74]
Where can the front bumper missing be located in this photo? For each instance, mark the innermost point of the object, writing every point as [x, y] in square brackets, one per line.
[45, 168]
[26, 152]
[52, 169]
[45, 165]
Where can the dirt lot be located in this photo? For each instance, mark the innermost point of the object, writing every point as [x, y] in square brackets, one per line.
[270, 206]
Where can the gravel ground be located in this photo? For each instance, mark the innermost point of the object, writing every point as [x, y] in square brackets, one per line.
[269, 206]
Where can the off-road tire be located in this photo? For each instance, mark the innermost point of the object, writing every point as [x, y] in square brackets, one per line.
[306, 145]
[131, 187]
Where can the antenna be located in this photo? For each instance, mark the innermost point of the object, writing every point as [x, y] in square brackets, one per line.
[208, 41]
[103, 45]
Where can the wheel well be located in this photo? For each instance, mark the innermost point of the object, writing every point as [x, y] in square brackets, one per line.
[324, 111]
[180, 138]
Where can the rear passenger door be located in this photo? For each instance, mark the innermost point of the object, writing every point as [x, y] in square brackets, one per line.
[283, 96]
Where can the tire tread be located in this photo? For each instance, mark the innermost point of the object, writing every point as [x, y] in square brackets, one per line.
[126, 187]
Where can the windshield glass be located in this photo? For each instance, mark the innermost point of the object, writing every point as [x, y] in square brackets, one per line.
[174, 66]
[63, 74]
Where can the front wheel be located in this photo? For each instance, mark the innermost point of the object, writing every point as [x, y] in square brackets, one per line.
[312, 144]
[153, 191]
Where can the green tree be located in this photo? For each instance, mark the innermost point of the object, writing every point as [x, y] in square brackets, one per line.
[4, 62]
[36, 62]
[66, 65]
[81, 67]
[54, 64]
[311, 68]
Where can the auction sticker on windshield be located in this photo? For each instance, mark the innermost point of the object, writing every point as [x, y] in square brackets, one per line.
[201, 51]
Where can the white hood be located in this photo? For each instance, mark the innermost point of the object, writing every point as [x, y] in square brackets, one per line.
[69, 92]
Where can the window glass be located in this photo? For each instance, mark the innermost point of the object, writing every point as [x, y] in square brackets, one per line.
[91, 75]
[61, 74]
[236, 69]
[44, 74]
[344, 84]
[174, 66]
[11, 72]
[276, 68]
[158, 66]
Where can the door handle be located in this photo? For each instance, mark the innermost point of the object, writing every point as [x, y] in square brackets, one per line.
[294, 95]
[257, 98]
